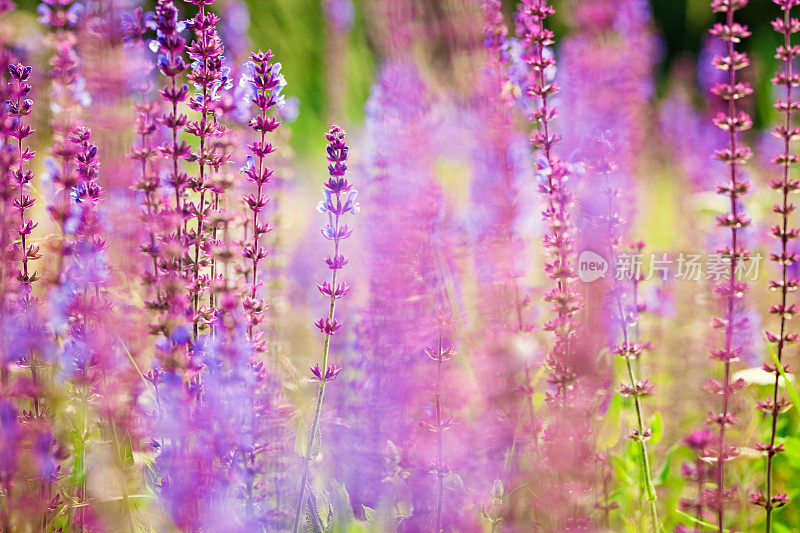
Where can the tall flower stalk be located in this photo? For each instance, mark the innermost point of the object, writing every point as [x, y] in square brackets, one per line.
[264, 83]
[339, 200]
[170, 299]
[787, 132]
[20, 107]
[733, 121]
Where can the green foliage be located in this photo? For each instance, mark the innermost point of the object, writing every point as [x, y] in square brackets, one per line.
[295, 31]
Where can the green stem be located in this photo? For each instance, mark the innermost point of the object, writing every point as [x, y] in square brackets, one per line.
[318, 407]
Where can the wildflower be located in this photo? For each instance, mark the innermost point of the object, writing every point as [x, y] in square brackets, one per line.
[334, 188]
[264, 83]
[210, 78]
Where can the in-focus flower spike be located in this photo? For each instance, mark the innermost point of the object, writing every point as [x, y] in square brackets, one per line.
[563, 360]
[263, 83]
[339, 199]
[170, 299]
[19, 107]
[733, 121]
[786, 79]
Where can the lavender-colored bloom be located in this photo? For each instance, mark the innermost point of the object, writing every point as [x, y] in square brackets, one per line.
[235, 22]
[551, 177]
[691, 136]
[169, 45]
[404, 203]
[341, 14]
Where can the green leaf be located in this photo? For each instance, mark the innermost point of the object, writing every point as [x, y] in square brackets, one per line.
[701, 523]
[789, 387]
[340, 500]
[657, 427]
[369, 513]
[317, 445]
[127, 453]
[621, 469]
[301, 438]
[313, 521]
[663, 474]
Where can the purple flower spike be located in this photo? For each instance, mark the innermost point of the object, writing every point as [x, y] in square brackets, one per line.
[19, 107]
[339, 200]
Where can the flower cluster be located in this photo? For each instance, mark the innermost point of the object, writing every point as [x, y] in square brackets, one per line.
[499, 195]
[169, 45]
[495, 31]
[68, 98]
[145, 152]
[167, 219]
